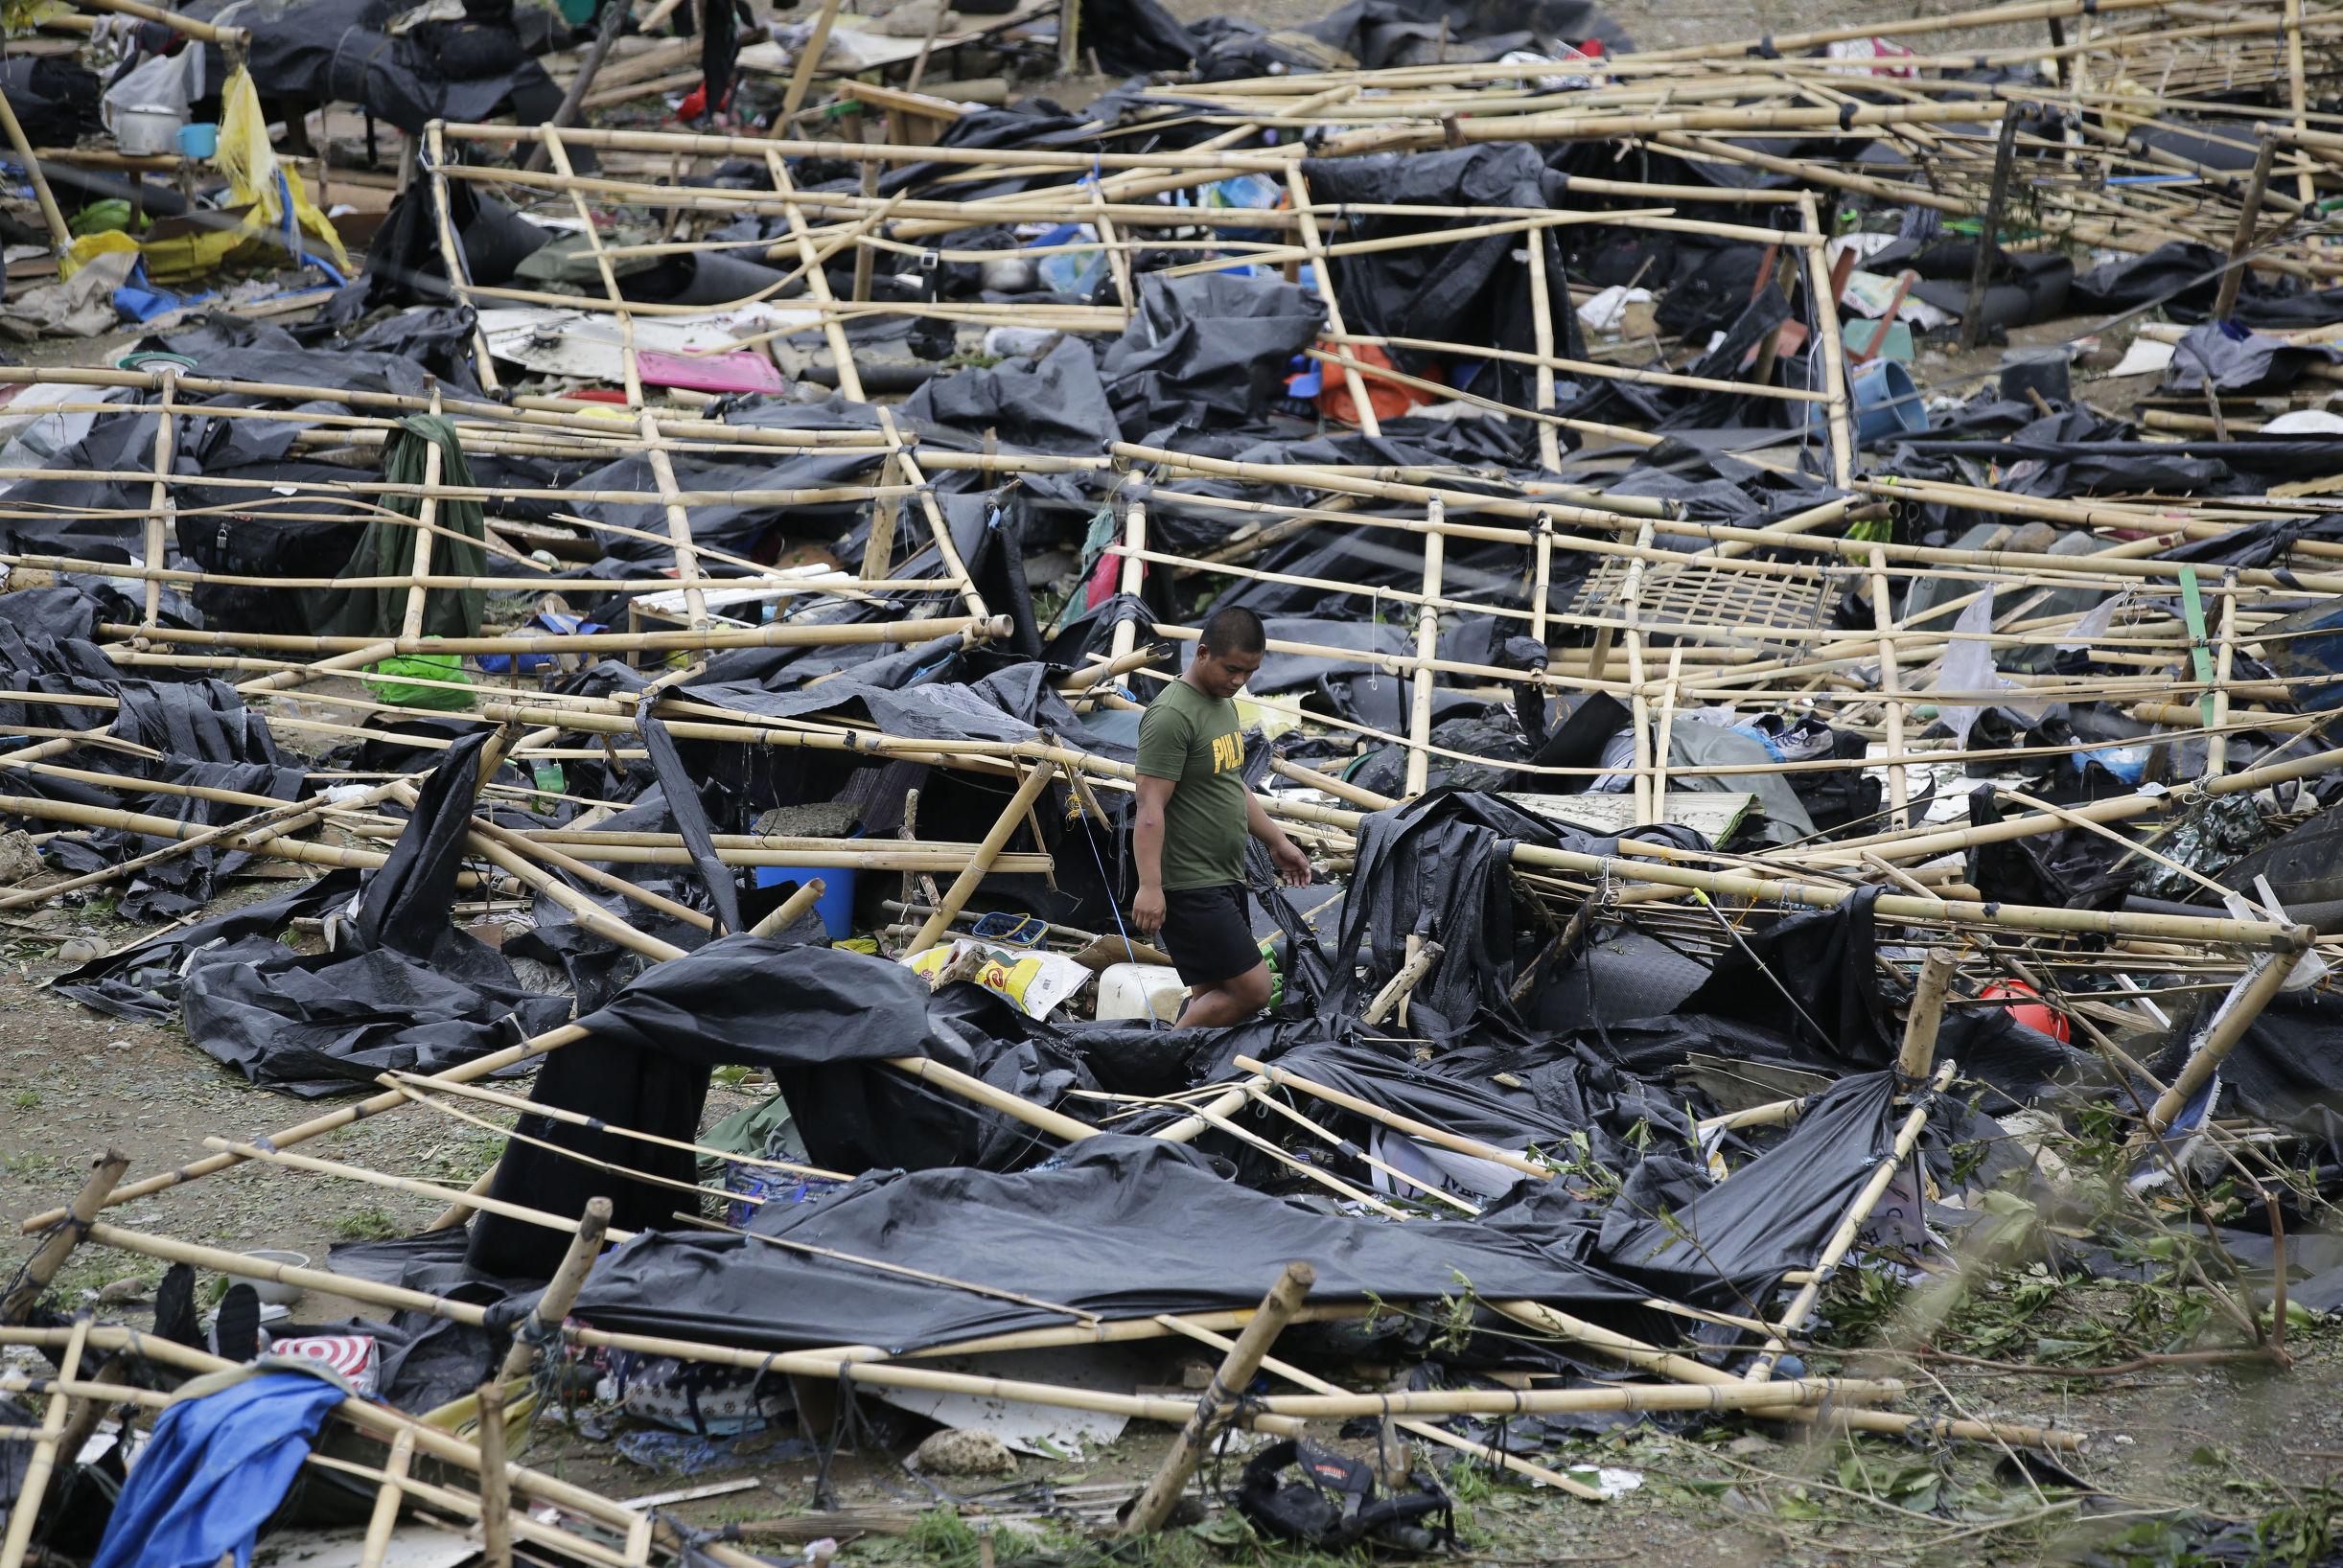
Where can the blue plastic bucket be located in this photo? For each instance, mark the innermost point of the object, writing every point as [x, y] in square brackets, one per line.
[200, 141]
[1886, 398]
[835, 906]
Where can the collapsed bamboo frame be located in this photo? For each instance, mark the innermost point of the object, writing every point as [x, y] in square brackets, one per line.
[1626, 636]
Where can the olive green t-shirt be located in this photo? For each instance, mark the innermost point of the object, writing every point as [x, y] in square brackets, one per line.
[1194, 741]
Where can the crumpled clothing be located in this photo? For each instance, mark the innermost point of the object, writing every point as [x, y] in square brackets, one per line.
[214, 1471]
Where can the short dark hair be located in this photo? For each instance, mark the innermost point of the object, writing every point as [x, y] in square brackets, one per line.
[1234, 630]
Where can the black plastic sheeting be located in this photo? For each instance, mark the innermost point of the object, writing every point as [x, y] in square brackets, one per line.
[1117, 1226]
[1806, 992]
[1470, 291]
[1387, 33]
[1728, 1247]
[340, 50]
[206, 736]
[1204, 351]
[403, 991]
[1437, 868]
[822, 1021]
[2184, 280]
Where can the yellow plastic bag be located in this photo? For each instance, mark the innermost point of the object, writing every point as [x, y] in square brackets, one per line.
[253, 171]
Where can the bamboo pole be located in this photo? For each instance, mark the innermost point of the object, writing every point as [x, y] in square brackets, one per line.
[2242, 237]
[1631, 597]
[1130, 575]
[159, 502]
[411, 625]
[817, 281]
[2263, 981]
[1828, 345]
[1540, 1474]
[2306, 191]
[385, 1515]
[496, 1484]
[1315, 243]
[61, 233]
[544, 1320]
[1152, 1508]
[1926, 1016]
[1427, 647]
[34, 1484]
[801, 74]
[1403, 984]
[1635, 1352]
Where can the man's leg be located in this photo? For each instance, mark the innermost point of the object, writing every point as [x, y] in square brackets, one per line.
[1231, 1000]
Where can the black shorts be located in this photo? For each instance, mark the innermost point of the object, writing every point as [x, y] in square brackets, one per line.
[1208, 932]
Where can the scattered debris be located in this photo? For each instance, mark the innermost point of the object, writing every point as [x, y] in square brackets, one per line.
[1788, 811]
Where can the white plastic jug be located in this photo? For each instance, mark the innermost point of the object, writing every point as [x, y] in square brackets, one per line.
[1129, 990]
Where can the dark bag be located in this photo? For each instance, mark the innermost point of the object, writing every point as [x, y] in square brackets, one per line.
[1332, 1502]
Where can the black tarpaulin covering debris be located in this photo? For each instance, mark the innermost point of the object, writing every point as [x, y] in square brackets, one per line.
[822, 1021]
[1471, 291]
[344, 51]
[403, 991]
[202, 736]
[1728, 1248]
[1204, 351]
[1387, 32]
[1117, 1226]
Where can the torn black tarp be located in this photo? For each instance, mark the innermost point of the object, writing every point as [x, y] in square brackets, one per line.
[1467, 291]
[823, 1021]
[1116, 1227]
[403, 990]
[1807, 992]
[2231, 360]
[182, 737]
[1728, 1247]
[2184, 281]
[1205, 351]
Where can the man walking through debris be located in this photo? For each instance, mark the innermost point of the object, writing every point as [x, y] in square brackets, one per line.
[1194, 813]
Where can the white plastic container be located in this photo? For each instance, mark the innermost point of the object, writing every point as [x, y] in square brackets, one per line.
[1129, 990]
